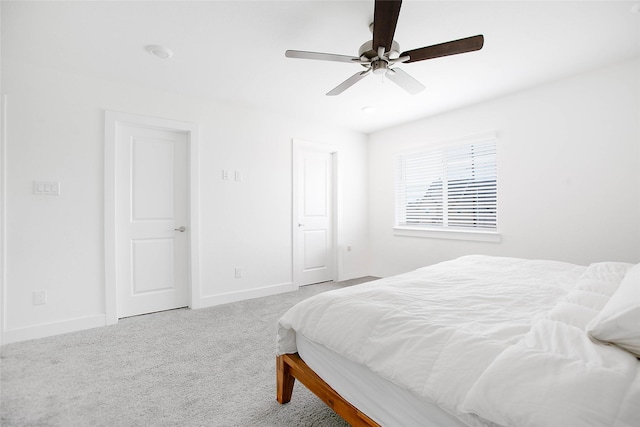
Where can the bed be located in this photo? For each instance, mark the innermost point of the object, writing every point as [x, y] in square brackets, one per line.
[475, 341]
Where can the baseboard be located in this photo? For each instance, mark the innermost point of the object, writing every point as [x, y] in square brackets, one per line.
[229, 297]
[54, 328]
[73, 325]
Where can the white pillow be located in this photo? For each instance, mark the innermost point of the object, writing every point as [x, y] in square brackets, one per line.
[619, 321]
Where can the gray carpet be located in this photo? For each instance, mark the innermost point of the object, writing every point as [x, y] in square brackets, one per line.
[208, 367]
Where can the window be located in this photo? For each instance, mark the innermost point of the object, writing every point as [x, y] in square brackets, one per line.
[452, 188]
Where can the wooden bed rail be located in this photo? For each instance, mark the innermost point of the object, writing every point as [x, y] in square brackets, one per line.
[290, 367]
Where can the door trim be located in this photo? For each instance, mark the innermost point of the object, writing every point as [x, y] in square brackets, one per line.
[297, 146]
[112, 120]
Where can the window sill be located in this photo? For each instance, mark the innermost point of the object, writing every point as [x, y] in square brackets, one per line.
[477, 236]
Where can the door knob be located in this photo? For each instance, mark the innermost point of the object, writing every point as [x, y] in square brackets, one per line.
[300, 225]
[181, 229]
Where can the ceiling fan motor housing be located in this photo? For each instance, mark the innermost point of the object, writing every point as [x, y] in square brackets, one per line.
[369, 52]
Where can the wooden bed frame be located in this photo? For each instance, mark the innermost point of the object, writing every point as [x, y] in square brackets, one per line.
[290, 367]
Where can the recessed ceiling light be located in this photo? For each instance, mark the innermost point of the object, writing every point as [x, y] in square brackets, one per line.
[159, 51]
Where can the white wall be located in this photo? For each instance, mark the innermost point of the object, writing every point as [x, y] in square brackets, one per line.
[569, 174]
[55, 132]
[572, 147]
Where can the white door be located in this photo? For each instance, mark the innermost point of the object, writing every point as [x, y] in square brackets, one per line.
[314, 233]
[151, 220]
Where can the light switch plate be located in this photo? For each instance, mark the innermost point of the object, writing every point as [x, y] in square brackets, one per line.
[46, 188]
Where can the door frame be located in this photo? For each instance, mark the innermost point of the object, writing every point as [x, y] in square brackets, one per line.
[112, 120]
[299, 145]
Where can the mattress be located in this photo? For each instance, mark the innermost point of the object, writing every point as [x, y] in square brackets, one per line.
[383, 401]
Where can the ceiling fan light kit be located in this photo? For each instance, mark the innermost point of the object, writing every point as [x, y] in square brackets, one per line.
[382, 52]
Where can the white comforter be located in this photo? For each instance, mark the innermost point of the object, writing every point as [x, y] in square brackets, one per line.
[499, 338]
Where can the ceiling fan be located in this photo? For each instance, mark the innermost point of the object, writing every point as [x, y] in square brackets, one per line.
[380, 54]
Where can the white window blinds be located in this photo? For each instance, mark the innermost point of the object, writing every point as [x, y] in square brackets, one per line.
[453, 187]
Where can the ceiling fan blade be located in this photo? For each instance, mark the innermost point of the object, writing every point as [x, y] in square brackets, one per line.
[348, 83]
[454, 47]
[405, 81]
[320, 56]
[385, 19]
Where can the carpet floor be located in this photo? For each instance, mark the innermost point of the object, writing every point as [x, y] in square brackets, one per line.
[207, 367]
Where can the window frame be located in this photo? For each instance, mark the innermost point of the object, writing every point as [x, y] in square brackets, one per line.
[445, 231]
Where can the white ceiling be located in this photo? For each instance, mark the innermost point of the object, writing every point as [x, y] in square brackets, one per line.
[233, 51]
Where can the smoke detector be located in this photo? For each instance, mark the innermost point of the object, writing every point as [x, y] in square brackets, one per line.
[159, 51]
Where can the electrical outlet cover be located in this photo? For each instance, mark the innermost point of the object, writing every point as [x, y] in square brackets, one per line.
[39, 297]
